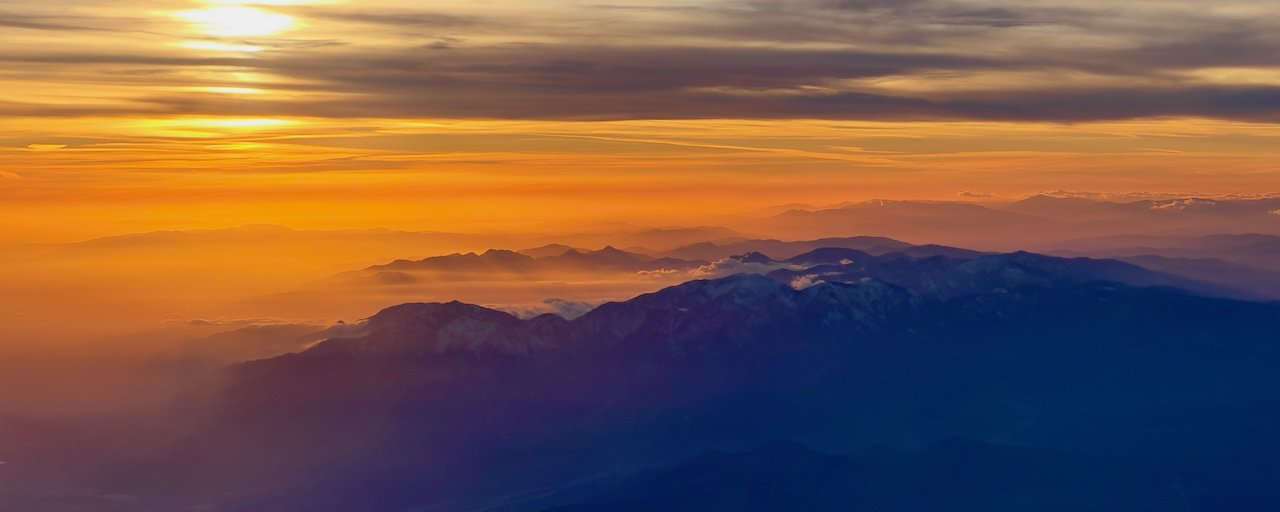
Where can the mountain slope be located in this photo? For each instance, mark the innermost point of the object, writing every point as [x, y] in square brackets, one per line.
[455, 406]
[953, 474]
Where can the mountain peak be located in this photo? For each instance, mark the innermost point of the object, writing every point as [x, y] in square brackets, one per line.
[830, 256]
[434, 328]
[549, 250]
[754, 257]
[740, 287]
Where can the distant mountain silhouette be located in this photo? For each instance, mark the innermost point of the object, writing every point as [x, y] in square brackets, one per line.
[1029, 223]
[548, 250]
[754, 257]
[945, 222]
[1255, 250]
[829, 256]
[779, 249]
[1246, 262]
[1103, 396]
[496, 261]
[1259, 283]
[930, 250]
[942, 276]
[493, 260]
[606, 258]
[1189, 212]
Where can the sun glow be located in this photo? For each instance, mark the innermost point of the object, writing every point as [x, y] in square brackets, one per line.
[236, 21]
[220, 47]
[232, 90]
[274, 2]
[244, 122]
[202, 126]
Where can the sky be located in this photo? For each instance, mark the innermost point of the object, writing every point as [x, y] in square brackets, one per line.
[132, 115]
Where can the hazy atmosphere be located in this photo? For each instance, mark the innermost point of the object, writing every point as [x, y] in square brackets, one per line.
[581, 256]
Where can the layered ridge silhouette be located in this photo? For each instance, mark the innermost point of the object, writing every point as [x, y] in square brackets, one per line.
[1047, 365]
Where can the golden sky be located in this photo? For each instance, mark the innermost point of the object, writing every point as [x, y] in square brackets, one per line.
[134, 115]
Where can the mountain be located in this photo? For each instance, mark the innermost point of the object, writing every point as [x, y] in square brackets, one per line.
[1074, 209]
[776, 209]
[944, 277]
[666, 238]
[441, 329]
[491, 261]
[1251, 249]
[709, 251]
[557, 259]
[931, 250]
[1175, 215]
[1260, 283]
[607, 258]
[1072, 388]
[830, 256]
[1247, 262]
[945, 222]
[499, 262]
[1185, 208]
[548, 250]
[754, 257]
[660, 239]
[1035, 222]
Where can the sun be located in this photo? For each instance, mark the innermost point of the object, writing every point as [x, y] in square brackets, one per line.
[236, 21]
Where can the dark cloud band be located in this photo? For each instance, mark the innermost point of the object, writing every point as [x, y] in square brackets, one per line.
[763, 59]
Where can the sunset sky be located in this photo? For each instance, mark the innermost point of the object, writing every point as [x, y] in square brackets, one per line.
[132, 115]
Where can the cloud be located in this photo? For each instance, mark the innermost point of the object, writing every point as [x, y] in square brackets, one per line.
[975, 195]
[759, 59]
[731, 266]
[653, 82]
[806, 281]
[922, 12]
[346, 330]
[44, 23]
[46, 147]
[200, 322]
[567, 309]
[6, 175]
[1183, 204]
[1153, 196]
[396, 18]
[231, 322]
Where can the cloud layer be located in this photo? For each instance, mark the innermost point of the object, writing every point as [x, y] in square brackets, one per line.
[697, 59]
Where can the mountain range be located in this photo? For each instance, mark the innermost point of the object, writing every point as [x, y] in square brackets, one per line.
[1071, 390]
[1208, 276]
[1256, 250]
[1028, 223]
[570, 259]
